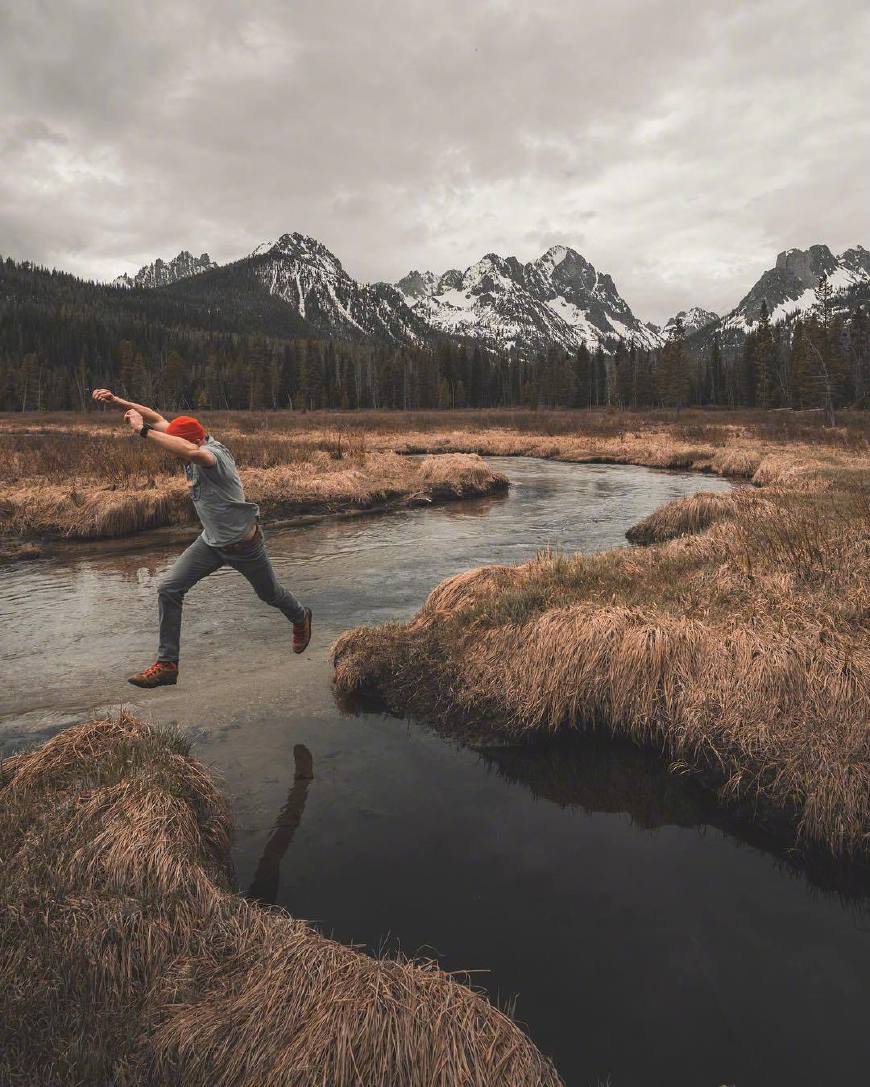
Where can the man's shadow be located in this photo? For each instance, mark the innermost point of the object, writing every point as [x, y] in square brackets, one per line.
[264, 886]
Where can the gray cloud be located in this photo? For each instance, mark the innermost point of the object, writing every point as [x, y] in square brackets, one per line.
[677, 146]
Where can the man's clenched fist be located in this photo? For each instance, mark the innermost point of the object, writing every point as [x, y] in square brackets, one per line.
[134, 419]
[104, 396]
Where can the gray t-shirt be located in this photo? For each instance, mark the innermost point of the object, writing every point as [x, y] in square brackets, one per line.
[219, 498]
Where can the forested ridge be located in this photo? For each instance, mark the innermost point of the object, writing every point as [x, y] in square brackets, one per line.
[220, 340]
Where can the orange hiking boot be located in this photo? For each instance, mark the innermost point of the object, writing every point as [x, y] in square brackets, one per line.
[160, 674]
[302, 633]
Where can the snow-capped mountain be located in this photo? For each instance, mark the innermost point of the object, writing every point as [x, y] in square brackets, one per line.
[161, 273]
[557, 299]
[307, 276]
[694, 319]
[790, 287]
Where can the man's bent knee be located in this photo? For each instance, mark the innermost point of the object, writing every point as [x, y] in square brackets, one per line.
[167, 589]
[271, 596]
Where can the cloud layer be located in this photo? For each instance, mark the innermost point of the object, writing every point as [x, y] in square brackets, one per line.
[677, 146]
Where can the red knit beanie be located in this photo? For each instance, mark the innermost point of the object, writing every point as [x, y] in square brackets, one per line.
[186, 427]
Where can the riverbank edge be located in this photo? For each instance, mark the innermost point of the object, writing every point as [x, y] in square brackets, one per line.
[727, 462]
[376, 662]
[291, 515]
[126, 954]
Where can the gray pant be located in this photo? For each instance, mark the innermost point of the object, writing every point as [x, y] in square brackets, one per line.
[200, 560]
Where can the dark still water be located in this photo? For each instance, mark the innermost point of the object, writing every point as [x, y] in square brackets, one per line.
[640, 936]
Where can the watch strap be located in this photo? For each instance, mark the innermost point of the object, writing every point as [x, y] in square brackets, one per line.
[143, 430]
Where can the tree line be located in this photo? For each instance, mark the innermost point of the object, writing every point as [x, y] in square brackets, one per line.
[193, 348]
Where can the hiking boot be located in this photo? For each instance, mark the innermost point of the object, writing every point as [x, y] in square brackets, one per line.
[160, 674]
[302, 633]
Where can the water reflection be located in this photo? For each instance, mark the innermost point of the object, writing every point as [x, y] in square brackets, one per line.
[264, 885]
[601, 774]
[598, 773]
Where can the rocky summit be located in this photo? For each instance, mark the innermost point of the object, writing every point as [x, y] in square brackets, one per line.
[161, 273]
[693, 320]
[789, 288]
[309, 277]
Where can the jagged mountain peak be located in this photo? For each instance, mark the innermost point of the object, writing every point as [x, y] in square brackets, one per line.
[559, 298]
[486, 274]
[694, 319]
[161, 273]
[418, 284]
[789, 288]
[310, 278]
[856, 259]
[806, 265]
[559, 255]
[556, 254]
[301, 247]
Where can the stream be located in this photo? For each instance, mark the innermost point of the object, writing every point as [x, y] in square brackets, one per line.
[638, 932]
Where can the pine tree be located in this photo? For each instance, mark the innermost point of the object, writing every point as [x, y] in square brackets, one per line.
[172, 381]
[623, 371]
[715, 387]
[673, 377]
[765, 360]
[859, 349]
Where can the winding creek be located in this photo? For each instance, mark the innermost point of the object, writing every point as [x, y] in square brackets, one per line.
[643, 936]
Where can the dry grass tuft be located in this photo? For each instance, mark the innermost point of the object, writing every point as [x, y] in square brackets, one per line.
[682, 517]
[126, 958]
[736, 463]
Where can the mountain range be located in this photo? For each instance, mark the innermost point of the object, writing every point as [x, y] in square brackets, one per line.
[559, 299]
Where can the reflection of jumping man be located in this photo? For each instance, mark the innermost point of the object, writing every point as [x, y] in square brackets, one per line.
[264, 887]
[231, 533]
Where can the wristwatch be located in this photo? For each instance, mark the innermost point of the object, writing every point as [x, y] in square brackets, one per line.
[143, 430]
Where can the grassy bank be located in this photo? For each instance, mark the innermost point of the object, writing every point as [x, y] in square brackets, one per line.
[126, 958]
[84, 482]
[736, 645]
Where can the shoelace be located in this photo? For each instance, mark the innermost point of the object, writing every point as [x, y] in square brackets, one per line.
[155, 669]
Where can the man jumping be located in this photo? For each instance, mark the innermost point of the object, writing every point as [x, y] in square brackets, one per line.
[231, 534]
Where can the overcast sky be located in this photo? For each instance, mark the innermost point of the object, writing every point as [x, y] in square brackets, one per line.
[677, 145]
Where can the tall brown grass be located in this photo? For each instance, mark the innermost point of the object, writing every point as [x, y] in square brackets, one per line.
[86, 477]
[316, 482]
[126, 957]
[739, 649]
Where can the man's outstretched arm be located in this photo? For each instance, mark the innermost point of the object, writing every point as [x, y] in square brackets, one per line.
[151, 417]
[181, 448]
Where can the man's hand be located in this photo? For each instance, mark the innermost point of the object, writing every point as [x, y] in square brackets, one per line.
[140, 411]
[134, 419]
